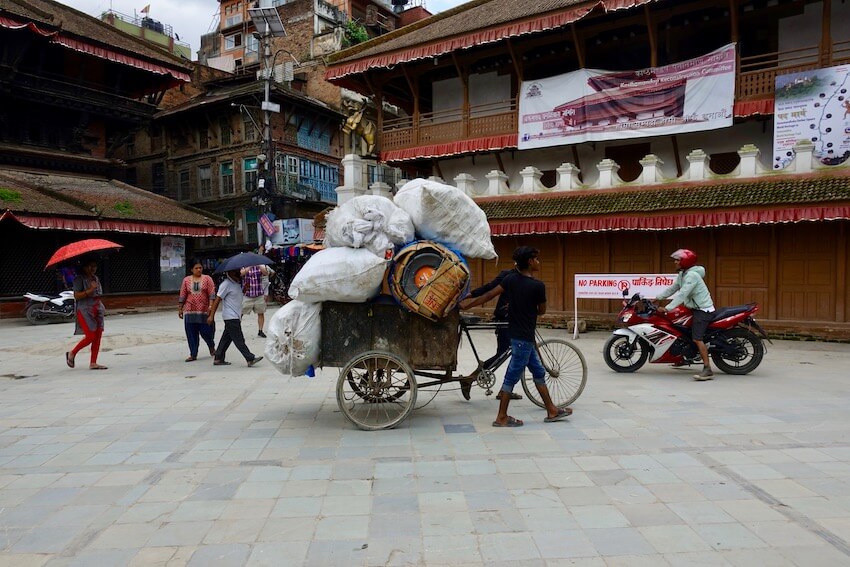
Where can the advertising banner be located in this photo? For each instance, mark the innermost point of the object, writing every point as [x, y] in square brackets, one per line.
[814, 106]
[291, 231]
[591, 104]
[268, 227]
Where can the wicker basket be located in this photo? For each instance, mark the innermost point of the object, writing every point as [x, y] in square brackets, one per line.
[428, 279]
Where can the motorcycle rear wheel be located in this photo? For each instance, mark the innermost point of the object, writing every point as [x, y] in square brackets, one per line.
[623, 355]
[749, 352]
[35, 316]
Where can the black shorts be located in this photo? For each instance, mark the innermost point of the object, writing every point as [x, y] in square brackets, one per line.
[699, 323]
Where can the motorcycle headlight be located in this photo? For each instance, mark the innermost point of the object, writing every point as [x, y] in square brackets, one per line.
[626, 317]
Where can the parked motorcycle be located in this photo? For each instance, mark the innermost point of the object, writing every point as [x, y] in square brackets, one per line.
[42, 309]
[734, 339]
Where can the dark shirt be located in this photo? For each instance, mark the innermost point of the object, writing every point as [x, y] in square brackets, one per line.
[501, 311]
[524, 294]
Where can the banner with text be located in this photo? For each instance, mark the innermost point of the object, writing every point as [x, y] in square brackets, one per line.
[813, 106]
[612, 286]
[592, 104]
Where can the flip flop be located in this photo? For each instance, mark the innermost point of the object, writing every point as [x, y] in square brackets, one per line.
[563, 413]
[69, 360]
[221, 363]
[512, 422]
[190, 359]
[98, 367]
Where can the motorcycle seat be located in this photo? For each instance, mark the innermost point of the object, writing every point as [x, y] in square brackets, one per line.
[725, 312]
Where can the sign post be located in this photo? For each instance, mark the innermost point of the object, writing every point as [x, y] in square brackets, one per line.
[617, 286]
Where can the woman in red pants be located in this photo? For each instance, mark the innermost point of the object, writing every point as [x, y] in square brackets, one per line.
[90, 310]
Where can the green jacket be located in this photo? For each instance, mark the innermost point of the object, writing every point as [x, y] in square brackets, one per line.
[693, 292]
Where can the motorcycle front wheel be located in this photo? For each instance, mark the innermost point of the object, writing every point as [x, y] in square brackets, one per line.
[621, 354]
[35, 316]
[748, 350]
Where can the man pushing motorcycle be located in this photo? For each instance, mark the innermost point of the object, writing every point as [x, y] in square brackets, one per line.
[694, 294]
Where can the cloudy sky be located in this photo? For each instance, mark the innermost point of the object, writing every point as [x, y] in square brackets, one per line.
[190, 19]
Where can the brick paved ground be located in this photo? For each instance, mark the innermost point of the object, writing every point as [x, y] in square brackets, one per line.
[160, 462]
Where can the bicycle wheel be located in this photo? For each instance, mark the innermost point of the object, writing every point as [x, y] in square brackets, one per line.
[566, 373]
[376, 390]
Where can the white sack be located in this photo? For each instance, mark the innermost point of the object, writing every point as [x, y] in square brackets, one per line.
[448, 215]
[368, 221]
[349, 275]
[295, 337]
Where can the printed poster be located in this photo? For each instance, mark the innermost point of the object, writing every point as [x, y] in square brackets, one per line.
[593, 105]
[813, 105]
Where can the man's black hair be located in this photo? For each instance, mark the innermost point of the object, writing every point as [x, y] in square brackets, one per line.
[523, 255]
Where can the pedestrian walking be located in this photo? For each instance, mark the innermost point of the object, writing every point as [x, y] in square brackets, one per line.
[255, 294]
[230, 296]
[197, 293]
[90, 313]
[526, 297]
[694, 294]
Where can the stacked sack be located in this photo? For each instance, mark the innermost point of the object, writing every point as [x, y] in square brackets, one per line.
[362, 236]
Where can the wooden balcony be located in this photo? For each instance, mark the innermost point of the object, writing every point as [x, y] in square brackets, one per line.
[756, 80]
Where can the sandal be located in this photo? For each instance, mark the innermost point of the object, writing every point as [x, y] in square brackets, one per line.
[69, 359]
[511, 422]
[220, 363]
[513, 396]
[562, 414]
[97, 367]
[212, 352]
[190, 359]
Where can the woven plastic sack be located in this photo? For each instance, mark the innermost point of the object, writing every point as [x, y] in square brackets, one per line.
[349, 275]
[295, 337]
[446, 214]
[369, 221]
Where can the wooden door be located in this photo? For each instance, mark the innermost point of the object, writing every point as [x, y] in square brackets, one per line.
[806, 271]
[742, 267]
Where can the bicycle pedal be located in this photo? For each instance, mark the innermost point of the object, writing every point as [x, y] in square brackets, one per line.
[489, 392]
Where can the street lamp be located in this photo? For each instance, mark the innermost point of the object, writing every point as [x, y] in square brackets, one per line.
[268, 23]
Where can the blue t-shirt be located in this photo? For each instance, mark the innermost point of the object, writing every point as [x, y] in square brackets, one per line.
[231, 296]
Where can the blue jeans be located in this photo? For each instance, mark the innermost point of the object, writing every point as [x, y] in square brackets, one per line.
[523, 355]
[196, 331]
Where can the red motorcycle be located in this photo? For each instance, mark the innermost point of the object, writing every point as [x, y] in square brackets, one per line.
[734, 339]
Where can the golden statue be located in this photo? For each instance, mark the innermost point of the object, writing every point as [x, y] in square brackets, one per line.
[364, 127]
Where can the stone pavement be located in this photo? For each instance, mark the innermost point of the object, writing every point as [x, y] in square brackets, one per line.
[160, 462]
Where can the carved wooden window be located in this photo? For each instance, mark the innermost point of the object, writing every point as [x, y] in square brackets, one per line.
[226, 130]
[205, 182]
[226, 177]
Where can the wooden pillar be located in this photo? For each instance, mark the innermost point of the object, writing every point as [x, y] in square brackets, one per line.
[826, 34]
[578, 42]
[463, 74]
[414, 90]
[841, 275]
[735, 37]
[773, 276]
[653, 39]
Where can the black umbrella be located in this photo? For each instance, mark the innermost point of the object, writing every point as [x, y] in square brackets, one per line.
[242, 260]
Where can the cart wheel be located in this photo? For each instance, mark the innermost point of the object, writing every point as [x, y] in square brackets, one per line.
[566, 373]
[376, 390]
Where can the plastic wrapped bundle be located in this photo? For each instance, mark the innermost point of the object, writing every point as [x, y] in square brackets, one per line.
[446, 214]
[428, 279]
[339, 274]
[369, 221]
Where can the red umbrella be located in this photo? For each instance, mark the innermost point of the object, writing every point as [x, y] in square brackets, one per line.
[79, 248]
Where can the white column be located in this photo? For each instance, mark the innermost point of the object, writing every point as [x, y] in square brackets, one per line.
[568, 177]
[608, 169]
[531, 180]
[382, 189]
[651, 173]
[466, 183]
[803, 158]
[497, 183]
[352, 166]
[436, 179]
[749, 160]
[698, 169]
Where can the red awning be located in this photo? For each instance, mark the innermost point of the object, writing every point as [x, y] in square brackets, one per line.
[513, 29]
[489, 144]
[96, 50]
[744, 108]
[670, 221]
[94, 225]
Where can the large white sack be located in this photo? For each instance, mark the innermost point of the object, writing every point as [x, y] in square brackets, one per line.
[349, 275]
[368, 221]
[295, 337]
[448, 215]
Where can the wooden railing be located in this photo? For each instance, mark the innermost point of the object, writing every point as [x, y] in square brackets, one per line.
[443, 126]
